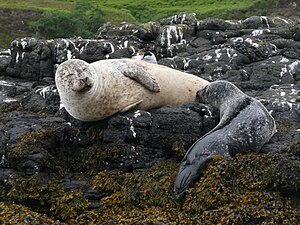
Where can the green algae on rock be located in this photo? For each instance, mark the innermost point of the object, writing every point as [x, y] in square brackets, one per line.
[235, 190]
[244, 189]
[46, 198]
[16, 214]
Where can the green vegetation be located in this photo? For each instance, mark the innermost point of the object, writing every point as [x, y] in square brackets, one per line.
[84, 21]
[67, 18]
[246, 189]
[151, 10]
[36, 4]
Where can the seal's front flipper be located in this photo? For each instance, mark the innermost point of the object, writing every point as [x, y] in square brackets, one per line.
[141, 76]
[131, 106]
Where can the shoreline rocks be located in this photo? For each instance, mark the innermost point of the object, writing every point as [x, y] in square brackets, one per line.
[107, 170]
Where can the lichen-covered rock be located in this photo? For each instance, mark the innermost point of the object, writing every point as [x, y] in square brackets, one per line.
[255, 22]
[148, 32]
[182, 18]
[283, 100]
[254, 39]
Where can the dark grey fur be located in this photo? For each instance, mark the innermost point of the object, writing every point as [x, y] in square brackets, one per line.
[245, 126]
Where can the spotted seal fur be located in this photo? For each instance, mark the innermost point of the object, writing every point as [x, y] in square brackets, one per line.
[95, 91]
[245, 126]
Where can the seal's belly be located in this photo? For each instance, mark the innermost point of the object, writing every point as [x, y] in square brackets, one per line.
[246, 133]
[116, 95]
[109, 87]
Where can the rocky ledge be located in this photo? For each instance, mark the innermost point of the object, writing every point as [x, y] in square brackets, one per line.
[56, 170]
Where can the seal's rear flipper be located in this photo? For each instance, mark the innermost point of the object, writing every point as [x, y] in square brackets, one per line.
[141, 76]
[188, 173]
[131, 106]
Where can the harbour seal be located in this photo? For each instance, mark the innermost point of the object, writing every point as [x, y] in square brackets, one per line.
[91, 92]
[245, 126]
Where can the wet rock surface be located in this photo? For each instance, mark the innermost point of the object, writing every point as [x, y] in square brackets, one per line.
[129, 161]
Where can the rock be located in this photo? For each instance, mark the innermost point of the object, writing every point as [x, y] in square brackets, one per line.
[182, 18]
[160, 128]
[5, 174]
[284, 102]
[4, 62]
[148, 32]
[107, 31]
[63, 49]
[218, 24]
[71, 169]
[254, 39]
[296, 30]
[255, 22]
[291, 140]
[93, 50]
[171, 41]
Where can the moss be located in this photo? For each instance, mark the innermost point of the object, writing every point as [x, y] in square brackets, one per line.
[87, 160]
[247, 189]
[253, 208]
[48, 198]
[151, 215]
[150, 27]
[285, 126]
[30, 190]
[135, 192]
[9, 107]
[293, 148]
[42, 141]
[70, 205]
[17, 214]
[150, 188]
[96, 158]
[242, 190]
[211, 192]
[95, 133]
[179, 147]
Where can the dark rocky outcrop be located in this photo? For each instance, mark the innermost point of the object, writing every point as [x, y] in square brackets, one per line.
[121, 170]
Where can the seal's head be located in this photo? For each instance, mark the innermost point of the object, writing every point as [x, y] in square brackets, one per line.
[74, 75]
[218, 92]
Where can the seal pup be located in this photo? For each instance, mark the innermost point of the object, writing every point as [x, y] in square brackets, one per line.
[245, 126]
[91, 92]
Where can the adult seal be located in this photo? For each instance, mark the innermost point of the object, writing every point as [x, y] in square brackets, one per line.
[245, 126]
[91, 92]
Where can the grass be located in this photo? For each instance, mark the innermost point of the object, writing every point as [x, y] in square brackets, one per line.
[132, 11]
[115, 16]
[146, 10]
[36, 4]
